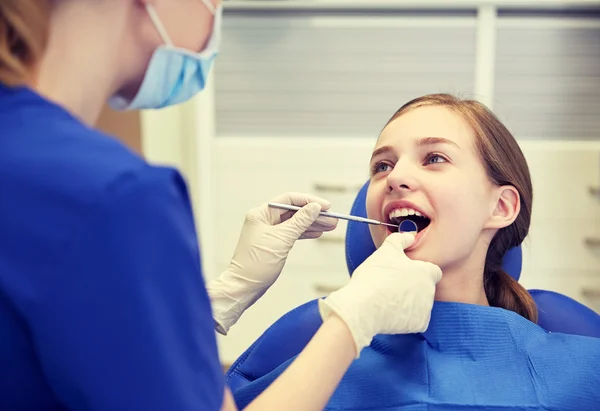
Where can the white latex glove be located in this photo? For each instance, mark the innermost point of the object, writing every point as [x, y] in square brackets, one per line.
[267, 236]
[388, 294]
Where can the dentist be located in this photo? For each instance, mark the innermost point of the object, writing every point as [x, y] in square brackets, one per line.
[102, 301]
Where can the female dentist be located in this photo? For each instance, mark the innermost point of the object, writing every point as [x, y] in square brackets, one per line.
[102, 302]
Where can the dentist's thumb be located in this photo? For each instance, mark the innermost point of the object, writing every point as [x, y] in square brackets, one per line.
[399, 241]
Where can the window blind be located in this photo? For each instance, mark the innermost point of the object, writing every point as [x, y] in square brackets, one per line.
[548, 77]
[284, 74]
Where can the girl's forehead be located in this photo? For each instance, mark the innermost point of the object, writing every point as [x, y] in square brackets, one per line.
[427, 121]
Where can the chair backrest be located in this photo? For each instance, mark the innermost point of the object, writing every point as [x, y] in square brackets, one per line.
[556, 312]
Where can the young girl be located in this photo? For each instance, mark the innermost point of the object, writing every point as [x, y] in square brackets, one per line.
[453, 168]
[455, 164]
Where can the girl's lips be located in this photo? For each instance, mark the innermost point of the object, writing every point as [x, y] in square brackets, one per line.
[418, 238]
[399, 204]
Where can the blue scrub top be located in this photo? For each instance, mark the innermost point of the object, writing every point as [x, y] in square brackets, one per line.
[102, 302]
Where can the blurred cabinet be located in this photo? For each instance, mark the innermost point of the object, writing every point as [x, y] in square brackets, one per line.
[556, 255]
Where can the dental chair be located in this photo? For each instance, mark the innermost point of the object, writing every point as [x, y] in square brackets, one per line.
[290, 334]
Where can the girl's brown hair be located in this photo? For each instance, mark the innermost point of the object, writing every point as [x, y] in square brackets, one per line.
[23, 36]
[505, 164]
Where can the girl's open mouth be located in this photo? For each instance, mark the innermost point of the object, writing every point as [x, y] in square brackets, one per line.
[403, 216]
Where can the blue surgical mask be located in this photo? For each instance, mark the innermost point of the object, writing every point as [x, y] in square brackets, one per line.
[174, 75]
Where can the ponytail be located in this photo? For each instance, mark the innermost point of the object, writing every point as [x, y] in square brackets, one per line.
[23, 36]
[505, 292]
[500, 288]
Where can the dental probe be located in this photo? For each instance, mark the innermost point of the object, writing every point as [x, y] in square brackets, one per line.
[334, 215]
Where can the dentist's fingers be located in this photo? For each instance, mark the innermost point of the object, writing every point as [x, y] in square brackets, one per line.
[277, 215]
[323, 224]
[399, 241]
[434, 271]
[297, 225]
[310, 235]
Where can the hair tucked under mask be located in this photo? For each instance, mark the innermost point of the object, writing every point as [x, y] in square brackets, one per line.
[23, 36]
[505, 164]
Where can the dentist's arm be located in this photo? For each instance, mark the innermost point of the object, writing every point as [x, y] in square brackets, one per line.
[388, 294]
[311, 379]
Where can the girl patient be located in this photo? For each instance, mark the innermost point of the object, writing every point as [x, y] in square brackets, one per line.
[453, 168]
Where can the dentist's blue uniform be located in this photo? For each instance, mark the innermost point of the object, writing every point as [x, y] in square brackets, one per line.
[102, 303]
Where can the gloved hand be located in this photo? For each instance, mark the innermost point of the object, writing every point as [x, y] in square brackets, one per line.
[388, 294]
[267, 236]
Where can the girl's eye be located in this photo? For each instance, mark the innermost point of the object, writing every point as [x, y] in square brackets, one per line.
[434, 158]
[381, 167]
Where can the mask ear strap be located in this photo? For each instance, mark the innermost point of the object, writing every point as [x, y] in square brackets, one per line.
[209, 6]
[158, 25]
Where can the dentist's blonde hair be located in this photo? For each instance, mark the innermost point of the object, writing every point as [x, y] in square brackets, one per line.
[505, 164]
[23, 37]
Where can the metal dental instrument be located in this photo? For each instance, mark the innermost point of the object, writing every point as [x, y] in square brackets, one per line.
[334, 215]
[408, 226]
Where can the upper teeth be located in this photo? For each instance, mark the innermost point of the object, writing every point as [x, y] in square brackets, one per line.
[403, 212]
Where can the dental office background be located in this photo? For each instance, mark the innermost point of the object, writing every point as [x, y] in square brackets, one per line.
[302, 89]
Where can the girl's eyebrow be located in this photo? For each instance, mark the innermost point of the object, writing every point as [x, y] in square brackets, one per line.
[381, 150]
[430, 141]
